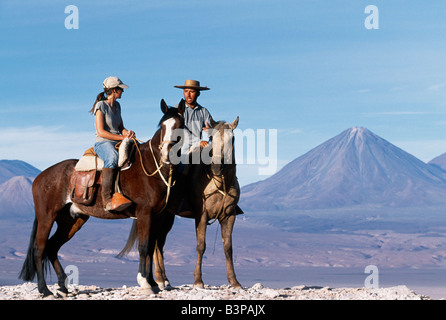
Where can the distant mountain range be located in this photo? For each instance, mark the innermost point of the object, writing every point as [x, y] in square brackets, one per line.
[439, 162]
[16, 178]
[354, 168]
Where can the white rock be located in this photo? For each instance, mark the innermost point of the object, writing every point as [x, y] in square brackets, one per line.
[258, 286]
[28, 291]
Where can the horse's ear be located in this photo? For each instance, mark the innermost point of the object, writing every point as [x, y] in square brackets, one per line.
[212, 122]
[164, 106]
[234, 124]
[181, 106]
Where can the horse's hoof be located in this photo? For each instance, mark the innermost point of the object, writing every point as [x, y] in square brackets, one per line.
[199, 285]
[156, 289]
[47, 294]
[62, 292]
[142, 281]
[49, 297]
[165, 285]
[161, 285]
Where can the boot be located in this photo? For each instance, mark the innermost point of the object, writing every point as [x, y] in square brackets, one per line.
[112, 201]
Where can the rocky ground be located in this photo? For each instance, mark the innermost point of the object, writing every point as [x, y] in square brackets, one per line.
[28, 291]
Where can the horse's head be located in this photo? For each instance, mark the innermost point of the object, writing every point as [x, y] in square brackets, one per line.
[171, 121]
[222, 136]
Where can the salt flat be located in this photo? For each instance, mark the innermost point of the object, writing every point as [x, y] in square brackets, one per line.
[279, 252]
[28, 291]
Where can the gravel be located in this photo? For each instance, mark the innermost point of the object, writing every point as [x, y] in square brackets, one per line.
[28, 291]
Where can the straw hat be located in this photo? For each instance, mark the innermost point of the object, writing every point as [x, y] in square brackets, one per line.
[192, 84]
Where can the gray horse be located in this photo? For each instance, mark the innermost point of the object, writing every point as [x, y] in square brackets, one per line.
[211, 191]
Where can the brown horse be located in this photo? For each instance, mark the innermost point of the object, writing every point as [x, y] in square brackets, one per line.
[145, 183]
[212, 191]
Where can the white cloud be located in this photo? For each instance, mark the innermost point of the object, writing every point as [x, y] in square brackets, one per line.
[437, 87]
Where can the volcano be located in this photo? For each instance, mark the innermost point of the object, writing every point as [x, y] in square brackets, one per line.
[16, 178]
[356, 167]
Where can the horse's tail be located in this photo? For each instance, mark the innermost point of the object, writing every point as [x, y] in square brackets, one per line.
[132, 241]
[29, 270]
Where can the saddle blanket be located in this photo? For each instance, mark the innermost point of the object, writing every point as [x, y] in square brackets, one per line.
[91, 161]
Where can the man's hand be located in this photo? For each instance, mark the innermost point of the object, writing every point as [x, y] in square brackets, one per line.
[206, 129]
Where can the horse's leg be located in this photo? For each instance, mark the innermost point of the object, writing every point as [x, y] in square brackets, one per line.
[66, 228]
[149, 265]
[226, 234]
[158, 268]
[160, 271]
[40, 257]
[158, 257]
[146, 248]
[200, 229]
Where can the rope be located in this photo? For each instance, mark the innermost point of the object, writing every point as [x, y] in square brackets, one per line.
[223, 192]
[168, 183]
[140, 159]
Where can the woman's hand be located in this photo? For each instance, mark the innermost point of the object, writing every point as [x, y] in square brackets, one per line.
[128, 134]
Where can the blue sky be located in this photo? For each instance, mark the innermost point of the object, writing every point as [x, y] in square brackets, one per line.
[306, 68]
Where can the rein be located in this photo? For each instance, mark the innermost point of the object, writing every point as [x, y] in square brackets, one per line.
[222, 191]
[168, 183]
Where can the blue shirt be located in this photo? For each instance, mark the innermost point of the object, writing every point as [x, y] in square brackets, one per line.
[194, 121]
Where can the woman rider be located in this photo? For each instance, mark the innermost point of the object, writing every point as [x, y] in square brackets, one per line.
[109, 131]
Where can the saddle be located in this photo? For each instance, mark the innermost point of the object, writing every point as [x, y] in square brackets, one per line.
[91, 161]
[86, 176]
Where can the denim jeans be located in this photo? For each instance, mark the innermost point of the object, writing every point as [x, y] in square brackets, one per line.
[108, 153]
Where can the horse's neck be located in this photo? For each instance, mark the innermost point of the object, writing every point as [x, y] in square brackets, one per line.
[150, 149]
[230, 174]
[156, 139]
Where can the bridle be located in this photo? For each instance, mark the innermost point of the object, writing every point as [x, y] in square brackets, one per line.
[216, 180]
[167, 182]
[169, 142]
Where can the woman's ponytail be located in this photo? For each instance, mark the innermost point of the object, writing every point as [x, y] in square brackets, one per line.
[100, 97]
